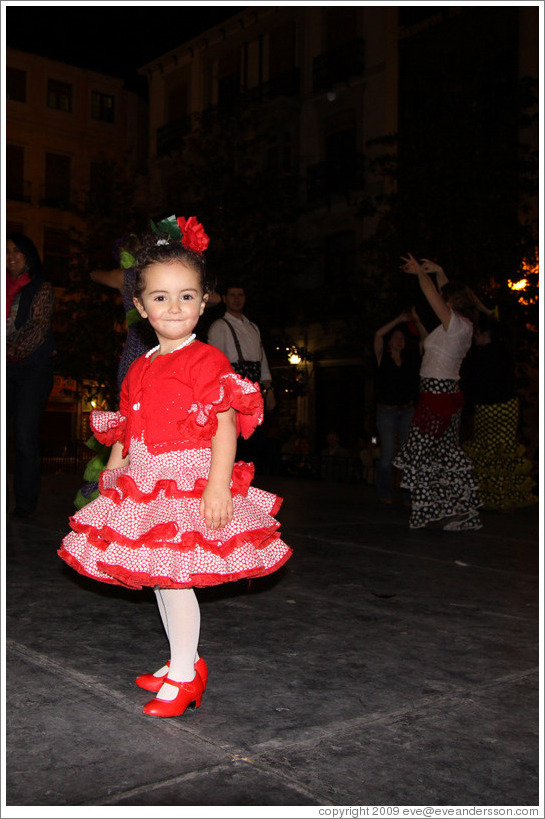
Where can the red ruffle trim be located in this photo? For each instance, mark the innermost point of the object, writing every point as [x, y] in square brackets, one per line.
[136, 580]
[113, 427]
[160, 537]
[248, 407]
[125, 486]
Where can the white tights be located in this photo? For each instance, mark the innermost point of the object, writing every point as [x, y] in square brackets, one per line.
[181, 616]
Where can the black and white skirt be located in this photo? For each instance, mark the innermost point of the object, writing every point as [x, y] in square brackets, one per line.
[438, 473]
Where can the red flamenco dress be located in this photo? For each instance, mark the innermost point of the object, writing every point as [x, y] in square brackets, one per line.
[145, 529]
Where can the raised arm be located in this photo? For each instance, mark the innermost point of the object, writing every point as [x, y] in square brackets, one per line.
[384, 330]
[432, 267]
[430, 291]
[110, 278]
[216, 504]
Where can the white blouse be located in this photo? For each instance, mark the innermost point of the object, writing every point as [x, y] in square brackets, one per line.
[444, 350]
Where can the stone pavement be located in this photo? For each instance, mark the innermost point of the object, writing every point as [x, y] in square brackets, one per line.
[381, 666]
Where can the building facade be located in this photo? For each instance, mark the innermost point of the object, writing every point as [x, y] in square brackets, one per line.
[331, 82]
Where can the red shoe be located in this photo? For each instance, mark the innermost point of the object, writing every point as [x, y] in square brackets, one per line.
[188, 692]
[149, 682]
[202, 670]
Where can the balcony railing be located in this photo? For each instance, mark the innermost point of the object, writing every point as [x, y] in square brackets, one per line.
[340, 176]
[341, 64]
[20, 191]
[170, 136]
[287, 84]
[57, 196]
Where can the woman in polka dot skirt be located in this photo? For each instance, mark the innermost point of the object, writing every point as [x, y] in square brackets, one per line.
[435, 469]
[175, 512]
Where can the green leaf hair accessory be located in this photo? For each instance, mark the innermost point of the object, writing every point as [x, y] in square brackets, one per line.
[167, 228]
[126, 259]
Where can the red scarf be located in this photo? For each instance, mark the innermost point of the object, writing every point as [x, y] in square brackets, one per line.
[12, 288]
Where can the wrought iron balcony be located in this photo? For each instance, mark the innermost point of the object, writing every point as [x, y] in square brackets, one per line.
[57, 195]
[19, 191]
[287, 84]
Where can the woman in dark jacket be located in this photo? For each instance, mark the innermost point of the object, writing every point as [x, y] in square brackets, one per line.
[30, 347]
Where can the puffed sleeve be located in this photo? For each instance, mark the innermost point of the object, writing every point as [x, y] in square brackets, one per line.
[218, 389]
[108, 427]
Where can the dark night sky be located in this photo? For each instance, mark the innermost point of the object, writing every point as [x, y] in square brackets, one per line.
[113, 39]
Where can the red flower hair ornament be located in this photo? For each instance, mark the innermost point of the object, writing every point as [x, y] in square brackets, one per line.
[193, 235]
[189, 232]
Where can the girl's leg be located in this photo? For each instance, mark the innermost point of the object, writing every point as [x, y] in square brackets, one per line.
[162, 611]
[182, 624]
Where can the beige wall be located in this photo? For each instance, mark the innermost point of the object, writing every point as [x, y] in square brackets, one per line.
[39, 130]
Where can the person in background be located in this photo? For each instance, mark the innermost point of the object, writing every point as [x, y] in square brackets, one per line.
[436, 471]
[488, 380]
[30, 351]
[141, 336]
[240, 340]
[396, 391]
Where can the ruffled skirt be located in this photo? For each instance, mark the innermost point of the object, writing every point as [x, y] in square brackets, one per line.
[501, 468]
[436, 471]
[145, 528]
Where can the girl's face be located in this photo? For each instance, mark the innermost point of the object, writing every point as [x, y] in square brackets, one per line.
[16, 260]
[173, 302]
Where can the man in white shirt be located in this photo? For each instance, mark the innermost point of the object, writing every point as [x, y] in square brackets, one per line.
[240, 340]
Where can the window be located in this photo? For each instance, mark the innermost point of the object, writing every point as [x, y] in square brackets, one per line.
[102, 107]
[341, 25]
[59, 95]
[16, 84]
[56, 256]
[229, 80]
[57, 192]
[282, 51]
[15, 164]
[177, 103]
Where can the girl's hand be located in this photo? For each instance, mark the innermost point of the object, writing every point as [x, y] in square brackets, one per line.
[431, 267]
[216, 507]
[411, 265]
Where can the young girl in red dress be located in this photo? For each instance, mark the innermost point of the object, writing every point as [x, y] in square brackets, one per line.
[175, 512]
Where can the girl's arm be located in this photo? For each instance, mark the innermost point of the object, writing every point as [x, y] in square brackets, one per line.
[216, 504]
[433, 267]
[422, 332]
[116, 458]
[111, 278]
[433, 296]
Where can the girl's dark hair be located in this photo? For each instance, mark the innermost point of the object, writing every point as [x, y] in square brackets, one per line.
[462, 300]
[151, 253]
[28, 249]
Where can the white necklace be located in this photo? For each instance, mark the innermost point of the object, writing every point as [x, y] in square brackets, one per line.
[191, 338]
